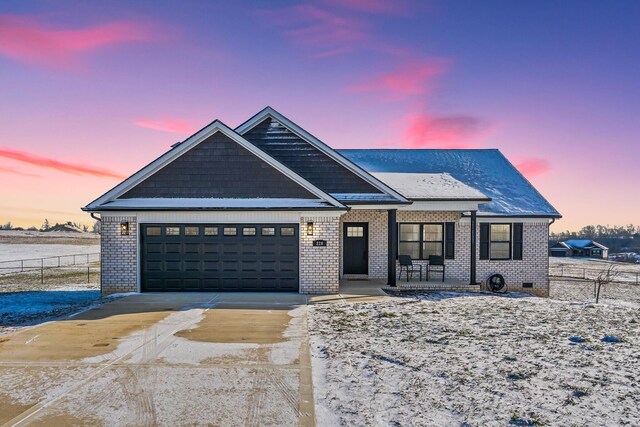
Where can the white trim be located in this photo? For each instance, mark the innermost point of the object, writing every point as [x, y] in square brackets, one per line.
[270, 112]
[276, 217]
[376, 207]
[506, 220]
[192, 141]
[457, 206]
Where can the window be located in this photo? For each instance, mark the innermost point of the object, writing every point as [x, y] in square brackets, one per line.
[355, 231]
[153, 231]
[287, 231]
[268, 231]
[172, 231]
[500, 241]
[409, 240]
[211, 231]
[192, 231]
[230, 231]
[248, 231]
[419, 241]
[432, 240]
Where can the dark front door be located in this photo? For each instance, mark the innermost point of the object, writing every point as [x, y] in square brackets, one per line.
[356, 248]
[219, 257]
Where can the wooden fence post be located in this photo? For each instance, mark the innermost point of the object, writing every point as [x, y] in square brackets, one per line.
[42, 271]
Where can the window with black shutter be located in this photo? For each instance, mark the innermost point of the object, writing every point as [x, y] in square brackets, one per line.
[450, 240]
[484, 241]
[517, 240]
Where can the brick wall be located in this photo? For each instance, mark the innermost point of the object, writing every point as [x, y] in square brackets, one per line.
[119, 262]
[320, 265]
[533, 268]
[378, 243]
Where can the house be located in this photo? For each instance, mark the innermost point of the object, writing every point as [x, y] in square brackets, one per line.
[269, 207]
[579, 247]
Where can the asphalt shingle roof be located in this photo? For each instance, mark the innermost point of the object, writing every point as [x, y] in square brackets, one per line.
[488, 171]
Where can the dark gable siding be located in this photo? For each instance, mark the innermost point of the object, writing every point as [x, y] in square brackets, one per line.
[218, 167]
[306, 160]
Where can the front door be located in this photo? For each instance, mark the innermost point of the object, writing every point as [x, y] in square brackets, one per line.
[356, 248]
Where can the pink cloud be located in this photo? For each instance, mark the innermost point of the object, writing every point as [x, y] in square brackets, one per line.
[326, 33]
[426, 131]
[167, 125]
[372, 6]
[49, 163]
[27, 39]
[406, 81]
[4, 169]
[532, 166]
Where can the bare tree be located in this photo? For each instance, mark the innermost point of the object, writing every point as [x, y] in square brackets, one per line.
[604, 278]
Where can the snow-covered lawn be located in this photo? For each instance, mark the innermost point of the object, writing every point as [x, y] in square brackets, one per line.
[18, 251]
[24, 308]
[475, 359]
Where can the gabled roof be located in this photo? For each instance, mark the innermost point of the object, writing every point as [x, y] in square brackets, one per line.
[487, 171]
[191, 142]
[584, 244]
[315, 161]
[430, 186]
[561, 246]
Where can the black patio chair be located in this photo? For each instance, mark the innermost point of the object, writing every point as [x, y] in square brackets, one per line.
[436, 261]
[406, 264]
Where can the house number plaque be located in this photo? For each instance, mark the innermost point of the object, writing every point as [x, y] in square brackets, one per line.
[319, 243]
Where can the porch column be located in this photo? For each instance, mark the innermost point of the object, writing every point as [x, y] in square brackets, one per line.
[473, 248]
[392, 246]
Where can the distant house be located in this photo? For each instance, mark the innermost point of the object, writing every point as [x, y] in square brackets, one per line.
[582, 247]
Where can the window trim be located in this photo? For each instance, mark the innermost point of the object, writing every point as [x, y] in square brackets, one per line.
[421, 241]
[510, 241]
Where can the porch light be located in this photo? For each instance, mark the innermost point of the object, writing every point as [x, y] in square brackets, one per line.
[310, 229]
[124, 228]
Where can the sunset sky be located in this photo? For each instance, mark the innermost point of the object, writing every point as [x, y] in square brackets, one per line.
[92, 91]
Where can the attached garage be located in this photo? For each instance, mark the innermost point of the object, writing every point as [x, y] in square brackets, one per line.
[219, 257]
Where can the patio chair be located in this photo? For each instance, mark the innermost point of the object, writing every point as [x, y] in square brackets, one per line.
[436, 261]
[406, 264]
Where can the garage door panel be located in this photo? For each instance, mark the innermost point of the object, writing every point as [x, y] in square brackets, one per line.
[192, 248]
[172, 248]
[192, 284]
[200, 257]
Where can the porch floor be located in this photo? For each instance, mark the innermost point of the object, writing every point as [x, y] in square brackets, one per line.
[378, 286]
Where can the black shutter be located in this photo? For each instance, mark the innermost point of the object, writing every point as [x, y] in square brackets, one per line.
[450, 240]
[517, 240]
[484, 241]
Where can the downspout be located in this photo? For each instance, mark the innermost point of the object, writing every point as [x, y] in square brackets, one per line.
[93, 215]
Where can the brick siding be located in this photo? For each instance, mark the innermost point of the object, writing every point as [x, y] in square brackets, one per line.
[319, 265]
[119, 257]
[533, 268]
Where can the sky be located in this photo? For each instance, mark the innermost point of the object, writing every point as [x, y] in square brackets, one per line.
[92, 91]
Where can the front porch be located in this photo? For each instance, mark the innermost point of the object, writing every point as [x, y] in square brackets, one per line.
[378, 286]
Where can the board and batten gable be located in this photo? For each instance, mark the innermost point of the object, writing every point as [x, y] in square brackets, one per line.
[218, 168]
[305, 159]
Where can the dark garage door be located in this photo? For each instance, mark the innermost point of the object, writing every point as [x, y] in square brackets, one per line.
[219, 257]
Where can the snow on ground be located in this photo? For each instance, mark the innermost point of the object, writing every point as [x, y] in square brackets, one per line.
[18, 309]
[475, 359]
[11, 252]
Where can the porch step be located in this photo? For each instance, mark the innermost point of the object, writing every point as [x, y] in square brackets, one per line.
[433, 287]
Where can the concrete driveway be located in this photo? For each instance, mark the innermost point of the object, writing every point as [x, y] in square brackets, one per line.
[233, 359]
